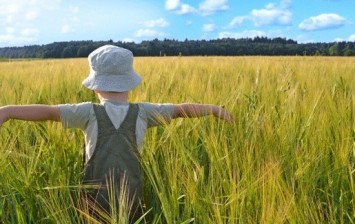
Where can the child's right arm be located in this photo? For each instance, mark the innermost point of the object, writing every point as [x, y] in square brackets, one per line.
[29, 113]
[199, 110]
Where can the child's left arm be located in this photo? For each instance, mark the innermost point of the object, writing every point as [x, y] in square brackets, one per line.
[30, 113]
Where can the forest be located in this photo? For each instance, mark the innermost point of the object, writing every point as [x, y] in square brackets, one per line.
[170, 47]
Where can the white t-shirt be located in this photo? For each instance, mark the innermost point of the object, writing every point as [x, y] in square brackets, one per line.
[82, 116]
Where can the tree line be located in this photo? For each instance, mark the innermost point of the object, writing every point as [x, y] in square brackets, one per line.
[171, 47]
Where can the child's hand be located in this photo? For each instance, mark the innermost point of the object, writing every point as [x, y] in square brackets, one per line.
[225, 115]
[3, 115]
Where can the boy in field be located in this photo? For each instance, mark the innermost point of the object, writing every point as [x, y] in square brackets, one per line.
[114, 129]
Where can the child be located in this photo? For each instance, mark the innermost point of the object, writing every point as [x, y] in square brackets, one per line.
[114, 129]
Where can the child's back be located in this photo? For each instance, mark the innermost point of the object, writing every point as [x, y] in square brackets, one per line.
[115, 162]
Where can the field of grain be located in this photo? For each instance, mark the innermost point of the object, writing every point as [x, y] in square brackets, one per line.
[289, 158]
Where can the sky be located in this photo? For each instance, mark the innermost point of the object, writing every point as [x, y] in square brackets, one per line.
[32, 22]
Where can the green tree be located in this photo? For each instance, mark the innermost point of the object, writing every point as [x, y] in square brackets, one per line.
[334, 50]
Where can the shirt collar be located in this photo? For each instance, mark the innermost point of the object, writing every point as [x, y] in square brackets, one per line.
[114, 102]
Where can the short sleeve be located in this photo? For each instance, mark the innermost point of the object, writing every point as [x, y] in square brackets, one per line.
[157, 114]
[75, 115]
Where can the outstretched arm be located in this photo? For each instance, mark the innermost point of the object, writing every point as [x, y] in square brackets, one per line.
[29, 113]
[199, 110]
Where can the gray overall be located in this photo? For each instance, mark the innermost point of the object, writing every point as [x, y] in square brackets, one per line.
[115, 160]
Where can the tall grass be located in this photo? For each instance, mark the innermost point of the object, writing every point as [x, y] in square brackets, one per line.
[289, 158]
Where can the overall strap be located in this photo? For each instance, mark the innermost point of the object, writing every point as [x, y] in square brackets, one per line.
[103, 120]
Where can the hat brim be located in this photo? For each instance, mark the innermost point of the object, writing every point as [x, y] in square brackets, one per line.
[112, 83]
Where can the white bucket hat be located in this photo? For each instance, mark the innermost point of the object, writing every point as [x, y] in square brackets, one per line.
[111, 70]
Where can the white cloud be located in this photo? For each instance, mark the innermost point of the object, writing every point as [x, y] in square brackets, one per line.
[8, 38]
[207, 7]
[172, 4]
[14, 40]
[31, 15]
[148, 33]
[304, 39]
[30, 32]
[21, 17]
[210, 27]
[244, 34]
[10, 30]
[273, 14]
[352, 38]
[73, 9]
[252, 34]
[75, 19]
[13, 36]
[156, 23]
[322, 21]
[262, 17]
[185, 9]
[211, 6]
[25, 9]
[65, 29]
[178, 7]
[8, 8]
[237, 21]
[286, 4]
[128, 40]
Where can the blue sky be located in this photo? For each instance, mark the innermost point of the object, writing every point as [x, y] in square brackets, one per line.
[27, 22]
